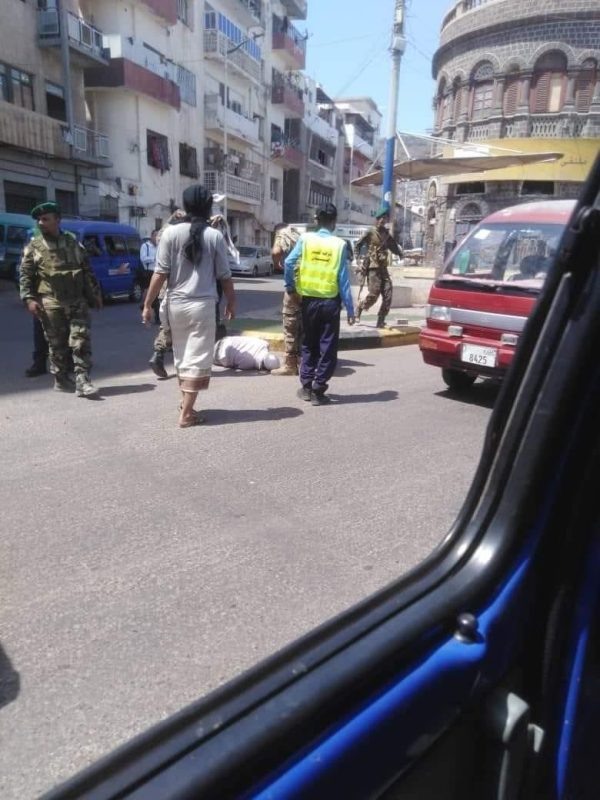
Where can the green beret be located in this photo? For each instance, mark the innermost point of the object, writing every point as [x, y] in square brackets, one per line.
[382, 212]
[45, 208]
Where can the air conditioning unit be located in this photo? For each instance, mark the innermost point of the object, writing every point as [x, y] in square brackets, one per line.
[132, 189]
[79, 139]
[48, 24]
[137, 211]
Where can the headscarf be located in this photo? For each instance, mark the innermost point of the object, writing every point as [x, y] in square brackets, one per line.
[197, 202]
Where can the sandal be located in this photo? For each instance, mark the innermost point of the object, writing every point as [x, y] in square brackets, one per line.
[196, 419]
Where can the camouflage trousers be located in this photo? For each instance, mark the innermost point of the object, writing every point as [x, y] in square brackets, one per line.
[163, 342]
[67, 330]
[292, 325]
[378, 283]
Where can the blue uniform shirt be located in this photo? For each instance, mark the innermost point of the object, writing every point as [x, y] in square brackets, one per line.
[343, 274]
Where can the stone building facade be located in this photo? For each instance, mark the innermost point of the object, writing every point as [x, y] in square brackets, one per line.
[517, 76]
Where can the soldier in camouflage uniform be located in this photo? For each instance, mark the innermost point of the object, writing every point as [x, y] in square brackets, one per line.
[285, 240]
[380, 243]
[58, 286]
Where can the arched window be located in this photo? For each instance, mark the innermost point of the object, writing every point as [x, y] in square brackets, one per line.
[512, 93]
[457, 93]
[585, 84]
[442, 104]
[482, 98]
[549, 83]
[466, 220]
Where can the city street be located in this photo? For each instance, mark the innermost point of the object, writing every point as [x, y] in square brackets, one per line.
[143, 565]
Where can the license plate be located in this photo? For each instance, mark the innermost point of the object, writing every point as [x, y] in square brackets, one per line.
[479, 356]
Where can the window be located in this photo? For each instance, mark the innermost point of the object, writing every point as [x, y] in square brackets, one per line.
[319, 194]
[157, 151]
[133, 245]
[474, 187]
[20, 198]
[55, 101]
[67, 202]
[16, 86]
[585, 85]
[457, 91]
[115, 245]
[549, 83]
[274, 189]
[188, 161]
[483, 91]
[109, 208]
[511, 94]
[183, 12]
[537, 187]
[16, 235]
[186, 81]
[92, 245]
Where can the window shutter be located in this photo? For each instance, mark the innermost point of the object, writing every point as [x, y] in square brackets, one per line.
[540, 93]
[457, 103]
[511, 95]
[584, 89]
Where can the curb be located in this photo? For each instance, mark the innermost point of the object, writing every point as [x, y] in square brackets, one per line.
[366, 340]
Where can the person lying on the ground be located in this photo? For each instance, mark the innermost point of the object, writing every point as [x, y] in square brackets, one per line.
[244, 352]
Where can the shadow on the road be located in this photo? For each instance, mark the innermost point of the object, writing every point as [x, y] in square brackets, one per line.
[376, 397]
[114, 391]
[218, 416]
[349, 362]
[10, 682]
[482, 394]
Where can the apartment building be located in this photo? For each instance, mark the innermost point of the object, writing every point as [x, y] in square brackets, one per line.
[51, 147]
[362, 127]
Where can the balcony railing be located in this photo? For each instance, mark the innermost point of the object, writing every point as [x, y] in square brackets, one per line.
[287, 154]
[216, 45]
[124, 47]
[90, 143]
[288, 96]
[323, 129]
[84, 37]
[215, 116]
[234, 187]
[289, 43]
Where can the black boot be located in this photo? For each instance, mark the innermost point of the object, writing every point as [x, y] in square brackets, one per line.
[381, 322]
[37, 368]
[157, 363]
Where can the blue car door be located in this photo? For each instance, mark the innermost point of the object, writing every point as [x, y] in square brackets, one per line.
[121, 270]
[474, 676]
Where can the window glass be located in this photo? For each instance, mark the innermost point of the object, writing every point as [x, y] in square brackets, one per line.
[507, 252]
[133, 245]
[115, 245]
[91, 242]
[16, 235]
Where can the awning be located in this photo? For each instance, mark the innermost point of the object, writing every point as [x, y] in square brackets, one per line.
[419, 169]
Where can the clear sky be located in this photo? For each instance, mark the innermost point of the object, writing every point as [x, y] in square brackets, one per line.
[348, 53]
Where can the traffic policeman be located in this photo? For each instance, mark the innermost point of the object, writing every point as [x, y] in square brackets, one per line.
[317, 271]
[57, 286]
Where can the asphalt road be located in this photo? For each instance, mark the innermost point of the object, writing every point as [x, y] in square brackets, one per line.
[142, 565]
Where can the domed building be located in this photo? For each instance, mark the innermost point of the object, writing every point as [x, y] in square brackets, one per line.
[513, 76]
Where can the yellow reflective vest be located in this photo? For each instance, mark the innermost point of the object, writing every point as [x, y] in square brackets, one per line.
[320, 265]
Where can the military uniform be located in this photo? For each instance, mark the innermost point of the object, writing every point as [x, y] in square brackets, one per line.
[286, 238]
[380, 243]
[57, 274]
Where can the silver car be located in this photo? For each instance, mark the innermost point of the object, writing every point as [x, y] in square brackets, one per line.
[254, 261]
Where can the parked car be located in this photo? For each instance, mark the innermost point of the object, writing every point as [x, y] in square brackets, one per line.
[14, 233]
[478, 306]
[253, 261]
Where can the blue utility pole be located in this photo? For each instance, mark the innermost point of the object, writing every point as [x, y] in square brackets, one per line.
[397, 49]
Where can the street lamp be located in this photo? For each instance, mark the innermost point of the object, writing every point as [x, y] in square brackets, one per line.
[252, 38]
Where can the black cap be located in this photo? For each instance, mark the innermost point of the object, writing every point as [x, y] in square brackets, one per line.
[326, 210]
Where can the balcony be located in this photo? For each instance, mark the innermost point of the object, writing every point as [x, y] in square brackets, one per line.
[289, 44]
[247, 12]
[288, 96]
[324, 130]
[296, 9]
[216, 45]
[133, 66]
[165, 9]
[38, 133]
[85, 41]
[234, 187]
[238, 125]
[288, 156]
